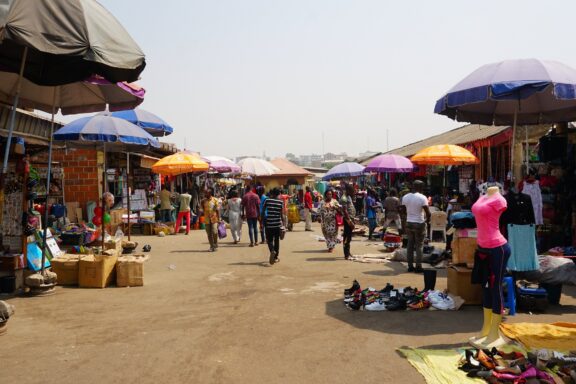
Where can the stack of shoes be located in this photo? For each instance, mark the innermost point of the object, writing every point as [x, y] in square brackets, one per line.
[496, 366]
[353, 297]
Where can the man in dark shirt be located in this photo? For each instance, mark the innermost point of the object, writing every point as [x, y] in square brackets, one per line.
[251, 211]
[274, 223]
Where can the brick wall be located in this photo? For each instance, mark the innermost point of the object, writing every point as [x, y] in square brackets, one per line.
[81, 174]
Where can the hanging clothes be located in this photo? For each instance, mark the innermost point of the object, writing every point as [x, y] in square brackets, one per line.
[519, 211]
[522, 240]
[531, 188]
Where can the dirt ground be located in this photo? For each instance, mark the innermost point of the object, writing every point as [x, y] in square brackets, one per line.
[228, 317]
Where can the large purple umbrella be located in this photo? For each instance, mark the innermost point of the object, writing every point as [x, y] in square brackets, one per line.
[389, 163]
[344, 170]
[222, 164]
[511, 92]
[525, 91]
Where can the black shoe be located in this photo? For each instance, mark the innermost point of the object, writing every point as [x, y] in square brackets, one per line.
[355, 286]
[419, 270]
[272, 258]
[387, 288]
[396, 304]
[146, 248]
[354, 305]
[411, 269]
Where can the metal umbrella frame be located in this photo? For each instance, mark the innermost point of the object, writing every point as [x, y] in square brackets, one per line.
[113, 134]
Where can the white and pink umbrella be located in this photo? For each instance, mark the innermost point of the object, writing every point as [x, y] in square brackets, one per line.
[222, 164]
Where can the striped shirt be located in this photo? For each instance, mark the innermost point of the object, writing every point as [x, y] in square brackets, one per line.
[273, 210]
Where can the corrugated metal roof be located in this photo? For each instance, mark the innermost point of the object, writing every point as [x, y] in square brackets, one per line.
[461, 135]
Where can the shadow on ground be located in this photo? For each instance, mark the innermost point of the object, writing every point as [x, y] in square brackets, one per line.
[325, 259]
[413, 323]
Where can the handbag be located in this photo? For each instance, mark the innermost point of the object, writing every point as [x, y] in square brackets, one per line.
[221, 230]
[339, 219]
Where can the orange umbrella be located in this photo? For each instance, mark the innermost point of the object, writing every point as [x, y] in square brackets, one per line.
[179, 163]
[444, 154]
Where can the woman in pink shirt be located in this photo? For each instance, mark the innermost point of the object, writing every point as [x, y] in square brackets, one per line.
[493, 247]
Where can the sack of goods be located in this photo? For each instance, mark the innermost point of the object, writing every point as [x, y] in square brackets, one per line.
[293, 214]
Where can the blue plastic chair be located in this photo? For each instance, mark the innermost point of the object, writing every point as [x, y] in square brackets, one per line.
[510, 302]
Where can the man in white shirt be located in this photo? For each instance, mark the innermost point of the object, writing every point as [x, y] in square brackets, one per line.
[416, 204]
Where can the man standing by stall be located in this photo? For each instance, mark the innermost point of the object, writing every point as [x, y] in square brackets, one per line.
[251, 209]
[414, 204]
[210, 207]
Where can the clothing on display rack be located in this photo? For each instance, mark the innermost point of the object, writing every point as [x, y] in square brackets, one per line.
[519, 211]
[531, 187]
[522, 240]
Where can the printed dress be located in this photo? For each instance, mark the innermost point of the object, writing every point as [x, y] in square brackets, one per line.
[328, 212]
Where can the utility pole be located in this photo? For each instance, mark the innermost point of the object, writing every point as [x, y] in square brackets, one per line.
[387, 139]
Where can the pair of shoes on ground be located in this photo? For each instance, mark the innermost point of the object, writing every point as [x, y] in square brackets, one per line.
[418, 269]
[273, 258]
[213, 249]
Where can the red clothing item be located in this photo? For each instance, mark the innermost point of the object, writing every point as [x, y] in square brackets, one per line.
[251, 204]
[284, 198]
[308, 200]
[487, 211]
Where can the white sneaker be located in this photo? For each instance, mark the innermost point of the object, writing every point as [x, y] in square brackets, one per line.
[443, 302]
[378, 305]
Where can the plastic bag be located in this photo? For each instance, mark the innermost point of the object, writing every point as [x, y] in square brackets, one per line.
[553, 270]
[221, 230]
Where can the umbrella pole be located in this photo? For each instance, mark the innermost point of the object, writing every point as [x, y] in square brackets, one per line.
[104, 190]
[13, 114]
[512, 148]
[45, 233]
[128, 190]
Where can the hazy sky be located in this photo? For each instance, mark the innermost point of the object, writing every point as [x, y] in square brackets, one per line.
[238, 77]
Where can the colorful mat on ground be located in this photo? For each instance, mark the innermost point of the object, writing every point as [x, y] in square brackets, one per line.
[556, 336]
[438, 366]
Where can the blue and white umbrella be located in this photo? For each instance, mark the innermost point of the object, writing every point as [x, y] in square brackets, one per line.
[344, 170]
[512, 92]
[114, 134]
[146, 120]
[105, 129]
[525, 91]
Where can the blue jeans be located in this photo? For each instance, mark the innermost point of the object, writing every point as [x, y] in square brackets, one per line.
[166, 216]
[492, 293]
[253, 230]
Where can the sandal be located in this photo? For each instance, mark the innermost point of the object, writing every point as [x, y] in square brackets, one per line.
[485, 360]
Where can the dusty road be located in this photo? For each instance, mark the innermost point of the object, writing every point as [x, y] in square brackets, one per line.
[228, 317]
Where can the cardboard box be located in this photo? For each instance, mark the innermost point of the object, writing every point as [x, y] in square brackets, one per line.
[67, 269]
[12, 262]
[463, 250]
[96, 271]
[459, 284]
[466, 232]
[130, 271]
